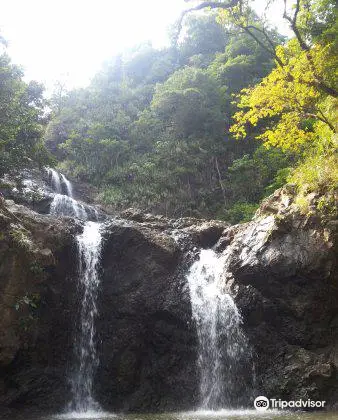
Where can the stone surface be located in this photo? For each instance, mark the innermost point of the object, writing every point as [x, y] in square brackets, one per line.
[37, 293]
[148, 347]
[280, 270]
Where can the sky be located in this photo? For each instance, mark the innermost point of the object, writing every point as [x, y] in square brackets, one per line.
[68, 40]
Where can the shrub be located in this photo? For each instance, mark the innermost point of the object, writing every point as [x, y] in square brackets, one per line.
[241, 212]
[316, 174]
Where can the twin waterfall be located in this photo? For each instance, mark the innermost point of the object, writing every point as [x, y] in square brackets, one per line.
[89, 250]
[224, 355]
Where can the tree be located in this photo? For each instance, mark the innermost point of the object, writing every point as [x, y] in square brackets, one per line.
[288, 100]
[203, 37]
[294, 100]
[188, 102]
[21, 119]
[240, 14]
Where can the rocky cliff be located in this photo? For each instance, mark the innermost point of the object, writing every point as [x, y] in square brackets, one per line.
[36, 296]
[280, 270]
[283, 276]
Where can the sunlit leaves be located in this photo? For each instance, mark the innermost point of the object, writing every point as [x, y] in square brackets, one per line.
[287, 100]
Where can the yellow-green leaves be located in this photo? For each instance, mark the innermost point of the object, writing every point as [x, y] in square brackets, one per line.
[287, 102]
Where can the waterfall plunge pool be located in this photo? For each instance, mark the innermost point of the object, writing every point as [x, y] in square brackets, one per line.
[192, 415]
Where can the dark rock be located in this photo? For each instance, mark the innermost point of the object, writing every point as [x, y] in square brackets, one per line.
[280, 269]
[37, 297]
[282, 274]
[148, 346]
[206, 234]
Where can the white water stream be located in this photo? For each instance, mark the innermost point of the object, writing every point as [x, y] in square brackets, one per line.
[63, 203]
[89, 250]
[223, 349]
[88, 256]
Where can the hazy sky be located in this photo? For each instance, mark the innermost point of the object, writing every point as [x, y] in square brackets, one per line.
[69, 39]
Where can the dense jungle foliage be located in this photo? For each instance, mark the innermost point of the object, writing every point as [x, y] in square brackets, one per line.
[206, 127]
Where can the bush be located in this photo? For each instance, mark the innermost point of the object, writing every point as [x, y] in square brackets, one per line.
[241, 212]
[316, 174]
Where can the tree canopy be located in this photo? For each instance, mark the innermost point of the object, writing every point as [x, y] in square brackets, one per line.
[207, 126]
[21, 119]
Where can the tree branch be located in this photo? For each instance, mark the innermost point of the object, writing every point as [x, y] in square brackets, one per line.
[293, 24]
[322, 119]
[220, 181]
[318, 82]
[263, 32]
[248, 28]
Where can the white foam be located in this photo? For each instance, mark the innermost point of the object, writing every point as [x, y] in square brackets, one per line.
[90, 414]
[226, 414]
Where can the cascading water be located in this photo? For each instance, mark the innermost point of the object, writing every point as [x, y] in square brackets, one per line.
[67, 206]
[63, 203]
[54, 179]
[224, 356]
[68, 185]
[89, 249]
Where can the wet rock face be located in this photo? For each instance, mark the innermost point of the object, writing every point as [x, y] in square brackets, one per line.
[147, 344]
[280, 272]
[29, 188]
[283, 276]
[36, 297]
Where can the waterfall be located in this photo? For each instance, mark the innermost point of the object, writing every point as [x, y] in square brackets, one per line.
[67, 206]
[89, 249]
[63, 203]
[68, 186]
[54, 179]
[224, 356]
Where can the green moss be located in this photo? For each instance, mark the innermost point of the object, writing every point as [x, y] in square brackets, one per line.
[28, 306]
[303, 204]
[36, 268]
[20, 236]
[327, 205]
[32, 301]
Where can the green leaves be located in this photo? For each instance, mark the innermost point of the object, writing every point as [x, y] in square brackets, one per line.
[21, 119]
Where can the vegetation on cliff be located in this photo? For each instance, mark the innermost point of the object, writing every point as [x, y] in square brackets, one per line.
[208, 126]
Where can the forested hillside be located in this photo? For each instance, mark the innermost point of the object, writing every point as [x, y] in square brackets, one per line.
[206, 127]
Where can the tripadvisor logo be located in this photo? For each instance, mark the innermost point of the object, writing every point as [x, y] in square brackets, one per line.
[262, 403]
